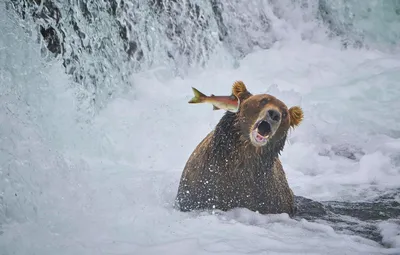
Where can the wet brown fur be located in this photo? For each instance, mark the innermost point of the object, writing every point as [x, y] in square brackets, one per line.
[227, 171]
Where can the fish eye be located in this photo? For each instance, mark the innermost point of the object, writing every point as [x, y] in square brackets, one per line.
[264, 101]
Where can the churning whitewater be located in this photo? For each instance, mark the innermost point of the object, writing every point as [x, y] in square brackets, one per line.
[96, 129]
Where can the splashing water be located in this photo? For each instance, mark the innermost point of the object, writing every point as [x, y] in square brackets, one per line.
[106, 186]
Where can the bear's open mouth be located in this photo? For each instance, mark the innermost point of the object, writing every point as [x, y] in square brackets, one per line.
[261, 132]
[263, 128]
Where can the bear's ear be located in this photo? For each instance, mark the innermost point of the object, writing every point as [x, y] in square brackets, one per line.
[296, 116]
[240, 91]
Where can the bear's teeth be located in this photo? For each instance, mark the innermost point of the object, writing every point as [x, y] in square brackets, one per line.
[259, 137]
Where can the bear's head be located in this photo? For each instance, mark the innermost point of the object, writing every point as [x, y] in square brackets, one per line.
[263, 118]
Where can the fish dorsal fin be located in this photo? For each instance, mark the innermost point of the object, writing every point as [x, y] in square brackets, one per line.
[212, 95]
[240, 91]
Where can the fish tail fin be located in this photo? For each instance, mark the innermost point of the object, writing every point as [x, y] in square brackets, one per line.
[198, 97]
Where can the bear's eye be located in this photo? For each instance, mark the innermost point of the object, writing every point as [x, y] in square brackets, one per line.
[263, 101]
[284, 114]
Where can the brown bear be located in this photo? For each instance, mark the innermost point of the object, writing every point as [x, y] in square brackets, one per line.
[237, 164]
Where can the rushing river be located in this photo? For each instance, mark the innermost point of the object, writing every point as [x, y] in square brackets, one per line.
[96, 129]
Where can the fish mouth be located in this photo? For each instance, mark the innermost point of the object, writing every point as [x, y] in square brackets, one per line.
[261, 132]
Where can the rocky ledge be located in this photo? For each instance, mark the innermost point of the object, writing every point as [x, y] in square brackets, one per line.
[357, 218]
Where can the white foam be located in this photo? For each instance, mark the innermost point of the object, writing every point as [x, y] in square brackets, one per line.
[390, 231]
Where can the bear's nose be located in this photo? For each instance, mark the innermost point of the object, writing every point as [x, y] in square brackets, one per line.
[274, 115]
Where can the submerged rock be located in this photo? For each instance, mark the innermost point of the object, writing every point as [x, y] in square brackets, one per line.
[357, 218]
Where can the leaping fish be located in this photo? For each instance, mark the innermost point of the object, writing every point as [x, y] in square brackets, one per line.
[229, 103]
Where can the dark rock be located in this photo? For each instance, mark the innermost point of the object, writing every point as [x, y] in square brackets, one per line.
[52, 39]
[372, 211]
[308, 208]
[357, 218]
[217, 9]
[48, 17]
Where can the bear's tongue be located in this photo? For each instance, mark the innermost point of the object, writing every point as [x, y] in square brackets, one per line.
[259, 137]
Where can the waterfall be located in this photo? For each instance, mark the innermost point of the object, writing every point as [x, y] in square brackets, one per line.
[95, 126]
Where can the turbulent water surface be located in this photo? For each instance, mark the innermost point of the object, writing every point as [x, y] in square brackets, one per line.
[95, 126]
